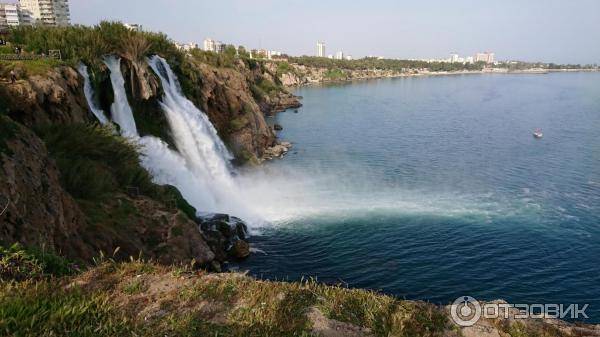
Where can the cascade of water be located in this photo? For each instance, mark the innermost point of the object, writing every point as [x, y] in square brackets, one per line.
[120, 109]
[88, 90]
[194, 135]
[200, 170]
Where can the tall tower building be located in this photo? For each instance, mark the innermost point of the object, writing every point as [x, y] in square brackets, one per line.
[48, 12]
[321, 49]
[12, 15]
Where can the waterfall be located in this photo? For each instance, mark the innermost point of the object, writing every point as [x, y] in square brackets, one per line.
[205, 156]
[88, 90]
[200, 169]
[194, 135]
[120, 109]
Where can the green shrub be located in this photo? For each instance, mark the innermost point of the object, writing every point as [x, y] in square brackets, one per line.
[89, 44]
[18, 263]
[335, 74]
[95, 163]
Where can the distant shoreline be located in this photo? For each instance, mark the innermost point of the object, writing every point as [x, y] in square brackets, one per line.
[534, 71]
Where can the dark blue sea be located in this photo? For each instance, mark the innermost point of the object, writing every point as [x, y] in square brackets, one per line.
[432, 188]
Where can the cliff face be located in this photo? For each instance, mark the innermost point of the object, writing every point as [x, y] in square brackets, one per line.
[225, 95]
[297, 75]
[40, 210]
[236, 101]
[40, 213]
[56, 98]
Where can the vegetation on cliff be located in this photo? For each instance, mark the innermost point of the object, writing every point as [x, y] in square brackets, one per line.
[248, 136]
[383, 64]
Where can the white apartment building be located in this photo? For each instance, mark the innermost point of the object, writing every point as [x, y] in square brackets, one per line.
[321, 49]
[454, 57]
[339, 55]
[214, 46]
[48, 12]
[486, 57]
[209, 45]
[12, 15]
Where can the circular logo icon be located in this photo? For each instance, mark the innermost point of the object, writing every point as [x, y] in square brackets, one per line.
[465, 311]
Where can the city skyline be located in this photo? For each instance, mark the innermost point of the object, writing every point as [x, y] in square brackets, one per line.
[545, 31]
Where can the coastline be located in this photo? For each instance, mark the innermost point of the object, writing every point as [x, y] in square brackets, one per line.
[535, 71]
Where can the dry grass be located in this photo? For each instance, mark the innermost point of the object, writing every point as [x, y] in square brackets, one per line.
[156, 301]
[144, 299]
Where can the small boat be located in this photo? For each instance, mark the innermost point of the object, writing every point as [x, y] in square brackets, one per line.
[538, 134]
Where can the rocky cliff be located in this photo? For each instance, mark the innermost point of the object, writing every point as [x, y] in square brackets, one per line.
[298, 75]
[41, 213]
[236, 99]
[41, 185]
[56, 97]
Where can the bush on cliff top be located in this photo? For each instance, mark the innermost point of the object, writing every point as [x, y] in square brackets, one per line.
[89, 44]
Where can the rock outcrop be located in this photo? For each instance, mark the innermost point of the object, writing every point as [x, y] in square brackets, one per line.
[298, 75]
[56, 98]
[226, 97]
[37, 211]
[40, 213]
[226, 236]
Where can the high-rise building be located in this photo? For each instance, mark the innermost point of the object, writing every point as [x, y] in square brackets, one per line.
[48, 12]
[486, 57]
[454, 57]
[339, 55]
[12, 15]
[321, 49]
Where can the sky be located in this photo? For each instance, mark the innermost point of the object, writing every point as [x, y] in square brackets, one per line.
[565, 31]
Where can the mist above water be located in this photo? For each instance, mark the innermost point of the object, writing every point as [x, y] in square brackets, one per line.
[276, 194]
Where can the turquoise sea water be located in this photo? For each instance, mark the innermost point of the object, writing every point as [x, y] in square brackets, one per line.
[433, 188]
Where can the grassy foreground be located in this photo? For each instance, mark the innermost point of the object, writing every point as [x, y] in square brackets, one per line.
[44, 295]
[144, 299]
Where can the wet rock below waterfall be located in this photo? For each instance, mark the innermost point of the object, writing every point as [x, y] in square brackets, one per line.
[240, 249]
[226, 236]
[277, 151]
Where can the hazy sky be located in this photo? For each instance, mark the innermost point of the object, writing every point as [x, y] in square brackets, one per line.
[545, 30]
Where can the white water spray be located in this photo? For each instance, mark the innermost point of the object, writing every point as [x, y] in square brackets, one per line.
[89, 94]
[120, 109]
[200, 169]
[194, 135]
